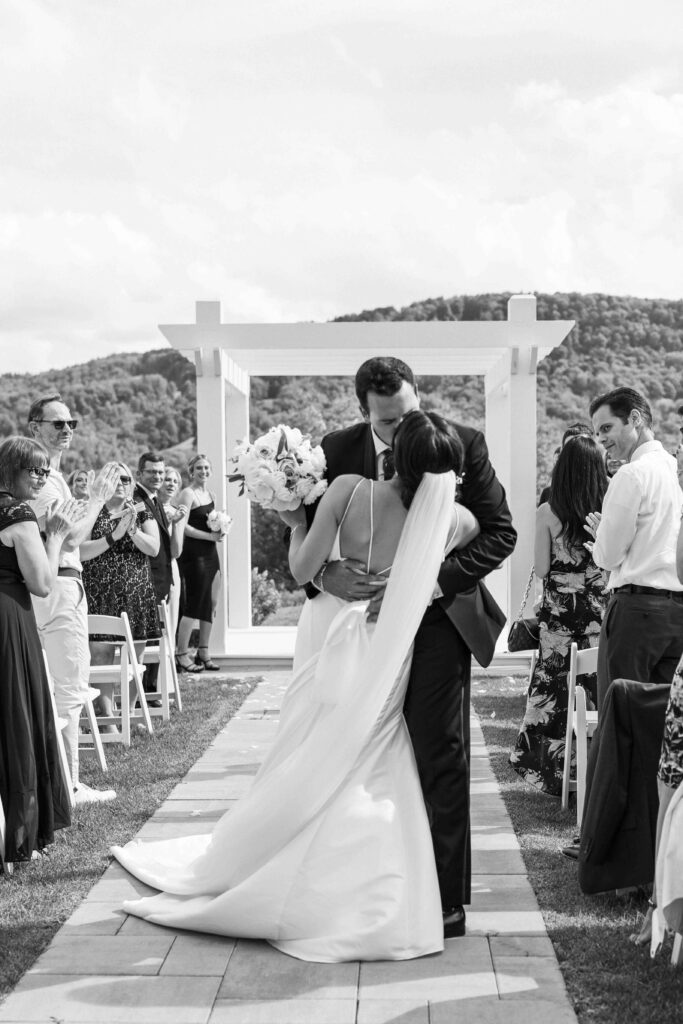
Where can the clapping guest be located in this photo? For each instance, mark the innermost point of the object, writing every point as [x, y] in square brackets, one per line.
[33, 792]
[79, 484]
[175, 515]
[62, 616]
[199, 567]
[116, 572]
[572, 608]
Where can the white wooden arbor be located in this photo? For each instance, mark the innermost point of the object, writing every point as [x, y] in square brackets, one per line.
[505, 352]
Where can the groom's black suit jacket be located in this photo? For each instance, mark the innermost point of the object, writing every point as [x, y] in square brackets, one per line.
[466, 601]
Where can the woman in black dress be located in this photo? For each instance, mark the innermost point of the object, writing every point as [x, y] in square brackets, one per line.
[117, 576]
[573, 604]
[33, 793]
[199, 567]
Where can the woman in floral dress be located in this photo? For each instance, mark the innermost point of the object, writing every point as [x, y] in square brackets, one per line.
[572, 607]
[117, 576]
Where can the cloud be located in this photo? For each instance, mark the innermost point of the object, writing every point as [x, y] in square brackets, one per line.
[299, 163]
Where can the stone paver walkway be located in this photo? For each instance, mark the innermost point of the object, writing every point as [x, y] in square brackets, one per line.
[104, 966]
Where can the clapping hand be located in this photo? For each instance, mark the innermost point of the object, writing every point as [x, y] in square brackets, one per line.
[173, 514]
[127, 524]
[103, 486]
[60, 517]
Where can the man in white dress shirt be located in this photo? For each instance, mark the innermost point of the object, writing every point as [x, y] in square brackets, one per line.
[62, 616]
[635, 538]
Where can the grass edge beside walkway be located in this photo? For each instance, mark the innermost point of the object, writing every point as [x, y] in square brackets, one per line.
[39, 897]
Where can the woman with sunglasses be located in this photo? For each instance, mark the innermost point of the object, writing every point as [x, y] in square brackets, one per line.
[33, 791]
[116, 572]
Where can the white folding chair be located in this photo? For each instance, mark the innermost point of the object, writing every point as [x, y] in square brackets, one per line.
[580, 723]
[91, 739]
[59, 725]
[163, 654]
[121, 673]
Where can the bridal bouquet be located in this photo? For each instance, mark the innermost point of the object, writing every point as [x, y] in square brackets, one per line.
[219, 522]
[280, 470]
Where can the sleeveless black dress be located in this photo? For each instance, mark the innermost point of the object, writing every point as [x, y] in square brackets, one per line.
[33, 793]
[198, 565]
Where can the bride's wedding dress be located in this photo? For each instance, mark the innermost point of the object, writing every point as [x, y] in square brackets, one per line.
[329, 856]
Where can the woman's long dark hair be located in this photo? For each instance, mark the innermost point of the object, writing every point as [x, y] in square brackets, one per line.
[424, 443]
[577, 487]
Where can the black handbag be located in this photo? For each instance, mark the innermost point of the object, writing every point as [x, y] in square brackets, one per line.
[525, 633]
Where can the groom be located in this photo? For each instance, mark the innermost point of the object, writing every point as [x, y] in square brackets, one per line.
[462, 620]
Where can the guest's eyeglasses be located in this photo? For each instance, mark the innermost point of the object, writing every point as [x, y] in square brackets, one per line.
[124, 479]
[39, 471]
[60, 424]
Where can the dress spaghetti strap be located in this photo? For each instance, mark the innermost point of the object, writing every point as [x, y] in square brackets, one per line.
[348, 504]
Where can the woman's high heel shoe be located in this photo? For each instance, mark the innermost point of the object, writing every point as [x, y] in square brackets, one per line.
[184, 663]
[205, 663]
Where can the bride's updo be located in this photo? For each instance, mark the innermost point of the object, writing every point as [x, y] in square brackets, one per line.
[424, 443]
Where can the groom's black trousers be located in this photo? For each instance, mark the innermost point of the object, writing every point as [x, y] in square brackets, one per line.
[437, 712]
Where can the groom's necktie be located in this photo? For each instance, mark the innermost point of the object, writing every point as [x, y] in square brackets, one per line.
[388, 467]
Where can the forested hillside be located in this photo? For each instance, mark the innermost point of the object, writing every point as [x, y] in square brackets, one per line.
[128, 403]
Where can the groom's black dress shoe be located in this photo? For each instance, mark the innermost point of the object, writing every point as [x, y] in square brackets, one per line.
[572, 851]
[453, 923]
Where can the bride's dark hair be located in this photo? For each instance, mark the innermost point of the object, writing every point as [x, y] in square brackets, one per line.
[424, 443]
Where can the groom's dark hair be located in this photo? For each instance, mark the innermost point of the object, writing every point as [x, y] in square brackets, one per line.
[424, 442]
[384, 375]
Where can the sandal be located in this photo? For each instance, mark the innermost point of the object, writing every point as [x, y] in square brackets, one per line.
[205, 663]
[190, 667]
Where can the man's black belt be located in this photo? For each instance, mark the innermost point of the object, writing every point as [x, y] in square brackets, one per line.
[634, 588]
[74, 574]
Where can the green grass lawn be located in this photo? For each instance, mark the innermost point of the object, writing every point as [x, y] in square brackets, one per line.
[39, 897]
[609, 980]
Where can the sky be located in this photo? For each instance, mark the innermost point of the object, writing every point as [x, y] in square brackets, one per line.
[301, 160]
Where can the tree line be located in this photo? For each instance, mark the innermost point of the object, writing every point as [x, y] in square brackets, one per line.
[130, 403]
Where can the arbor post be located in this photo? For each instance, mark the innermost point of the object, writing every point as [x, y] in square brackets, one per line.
[511, 433]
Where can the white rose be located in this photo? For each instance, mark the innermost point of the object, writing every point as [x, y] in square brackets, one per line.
[316, 491]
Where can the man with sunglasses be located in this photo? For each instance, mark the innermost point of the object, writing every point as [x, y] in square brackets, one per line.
[62, 617]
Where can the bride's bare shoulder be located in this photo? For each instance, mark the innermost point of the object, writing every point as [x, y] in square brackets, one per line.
[341, 489]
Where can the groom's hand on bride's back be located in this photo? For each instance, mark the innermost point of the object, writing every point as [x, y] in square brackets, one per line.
[349, 581]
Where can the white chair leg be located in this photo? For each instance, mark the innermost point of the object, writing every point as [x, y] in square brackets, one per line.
[142, 698]
[125, 699]
[164, 679]
[677, 952]
[581, 753]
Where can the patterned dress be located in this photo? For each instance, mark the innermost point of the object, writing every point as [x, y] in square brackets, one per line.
[33, 793]
[120, 580]
[573, 604]
[670, 770]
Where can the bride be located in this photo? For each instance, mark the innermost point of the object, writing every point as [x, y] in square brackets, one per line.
[329, 856]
